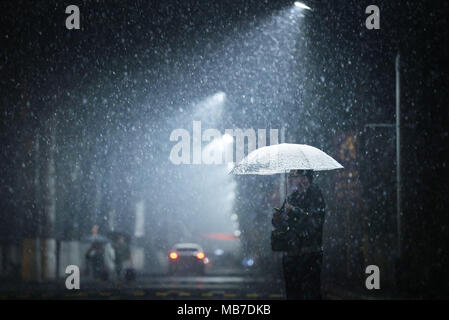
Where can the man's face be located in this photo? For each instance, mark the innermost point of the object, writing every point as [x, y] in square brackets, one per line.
[299, 182]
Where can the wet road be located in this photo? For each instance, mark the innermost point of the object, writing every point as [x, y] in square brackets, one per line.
[155, 287]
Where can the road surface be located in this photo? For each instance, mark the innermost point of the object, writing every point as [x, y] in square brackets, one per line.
[154, 287]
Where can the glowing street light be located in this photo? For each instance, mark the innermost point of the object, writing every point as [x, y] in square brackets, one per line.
[219, 97]
[302, 5]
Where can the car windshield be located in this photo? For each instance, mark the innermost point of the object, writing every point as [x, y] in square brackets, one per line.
[187, 249]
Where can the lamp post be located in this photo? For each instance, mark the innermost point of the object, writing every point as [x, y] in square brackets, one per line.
[398, 154]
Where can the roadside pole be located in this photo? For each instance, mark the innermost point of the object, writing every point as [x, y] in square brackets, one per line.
[398, 155]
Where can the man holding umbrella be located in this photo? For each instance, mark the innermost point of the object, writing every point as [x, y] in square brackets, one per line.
[298, 232]
[298, 225]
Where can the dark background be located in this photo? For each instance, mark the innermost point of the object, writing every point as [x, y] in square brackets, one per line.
[46, 69]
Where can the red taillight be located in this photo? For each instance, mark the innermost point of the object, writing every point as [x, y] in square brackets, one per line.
[200, 255]
[173, 255]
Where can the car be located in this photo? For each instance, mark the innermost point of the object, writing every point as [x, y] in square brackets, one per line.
[187, 258]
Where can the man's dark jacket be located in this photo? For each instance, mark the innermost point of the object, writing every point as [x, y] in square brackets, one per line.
[303, 229]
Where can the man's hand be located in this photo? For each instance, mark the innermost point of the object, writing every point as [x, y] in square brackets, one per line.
[277, 218]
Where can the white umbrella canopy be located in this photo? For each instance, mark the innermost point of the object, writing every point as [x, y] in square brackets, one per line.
[281, 158]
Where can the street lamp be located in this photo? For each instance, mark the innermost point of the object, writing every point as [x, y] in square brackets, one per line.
[302, 5]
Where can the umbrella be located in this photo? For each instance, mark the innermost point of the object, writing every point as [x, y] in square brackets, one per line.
[281, 158]
[95, 238]
[115, 235]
